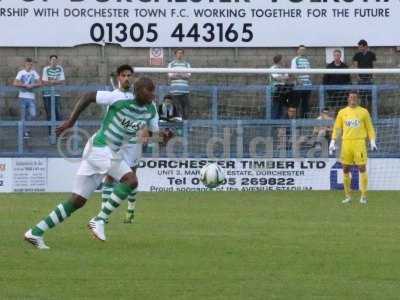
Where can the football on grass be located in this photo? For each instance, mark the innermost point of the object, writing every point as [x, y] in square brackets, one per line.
[211, 175]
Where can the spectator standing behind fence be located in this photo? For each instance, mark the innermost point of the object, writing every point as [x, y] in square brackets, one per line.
[302, 139]
[301, 96]
[281, 88]
[167, 110]
[284, 133]
[52, 75]
[168, 113]
[27, 80]
[337, 98]
[322, 134]
[364, 59]
[179, 84]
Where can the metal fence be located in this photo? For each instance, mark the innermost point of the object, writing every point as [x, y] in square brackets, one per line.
[232, 116]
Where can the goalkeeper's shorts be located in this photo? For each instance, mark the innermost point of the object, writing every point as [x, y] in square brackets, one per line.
[354, 152]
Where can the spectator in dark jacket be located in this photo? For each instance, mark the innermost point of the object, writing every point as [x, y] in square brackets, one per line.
[337, 98]
[167, 110]
[364, 59]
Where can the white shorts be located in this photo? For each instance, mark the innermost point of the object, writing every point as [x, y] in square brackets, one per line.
[97, 162]
[131, 154]
[85, 185]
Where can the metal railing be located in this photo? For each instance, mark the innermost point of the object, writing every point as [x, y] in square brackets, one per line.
[215, 121]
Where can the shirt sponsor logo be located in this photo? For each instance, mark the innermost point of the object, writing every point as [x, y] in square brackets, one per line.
[353, 123]
[131, 126]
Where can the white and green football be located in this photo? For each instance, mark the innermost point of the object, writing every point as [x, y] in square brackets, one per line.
[212, 175]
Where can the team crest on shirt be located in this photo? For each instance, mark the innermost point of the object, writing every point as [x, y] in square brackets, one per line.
[353, 123]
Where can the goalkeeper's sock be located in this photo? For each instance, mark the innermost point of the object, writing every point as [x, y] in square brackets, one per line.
[58, 215]
[120, 193]
[106, 192]
[364, 184]
[347, 184]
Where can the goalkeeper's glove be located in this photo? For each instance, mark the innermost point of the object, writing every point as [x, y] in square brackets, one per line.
[373, 145]
[332, 147]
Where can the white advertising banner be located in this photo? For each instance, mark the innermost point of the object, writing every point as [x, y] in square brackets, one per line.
[61, 181]
[199, 23]
[241, 175]
[182, 175]
[29, 174]
[5, 172]
[265, 174]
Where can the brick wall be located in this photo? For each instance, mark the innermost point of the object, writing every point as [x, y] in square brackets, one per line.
[93, 64]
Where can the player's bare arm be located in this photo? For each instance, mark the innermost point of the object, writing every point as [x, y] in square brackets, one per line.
[144, 135]
[80, 106]
[163, 136]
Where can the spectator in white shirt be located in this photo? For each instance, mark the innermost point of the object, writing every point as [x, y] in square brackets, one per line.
[27, 80]
[281, 88]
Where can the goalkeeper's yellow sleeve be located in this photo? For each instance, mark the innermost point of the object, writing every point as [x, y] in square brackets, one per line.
[338, 127]
[369, 127]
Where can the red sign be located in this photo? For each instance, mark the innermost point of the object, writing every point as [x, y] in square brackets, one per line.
[156, 56]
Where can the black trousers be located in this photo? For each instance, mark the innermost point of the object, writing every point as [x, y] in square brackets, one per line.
[182, 105]
[47, 108]
[301, 98]
[365, 95]
[280, 97]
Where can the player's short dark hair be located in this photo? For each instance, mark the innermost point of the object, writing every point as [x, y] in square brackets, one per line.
[337, 51]
[28, 59]
[277, 58]
[363, 43]
[123, 68]
[302, 46]
[179, 49]
[167, 96]
[144, 82]
[355, 92]
[53, 55]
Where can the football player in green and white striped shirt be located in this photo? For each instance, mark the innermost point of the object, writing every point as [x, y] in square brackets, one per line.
[127, 114]
[131, 154]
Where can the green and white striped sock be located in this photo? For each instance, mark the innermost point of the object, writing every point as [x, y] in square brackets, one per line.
[120, 193]
[106, 192]
[132, 201]
[58, 215]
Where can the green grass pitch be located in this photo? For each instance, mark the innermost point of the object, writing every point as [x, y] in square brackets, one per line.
[215, 245]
